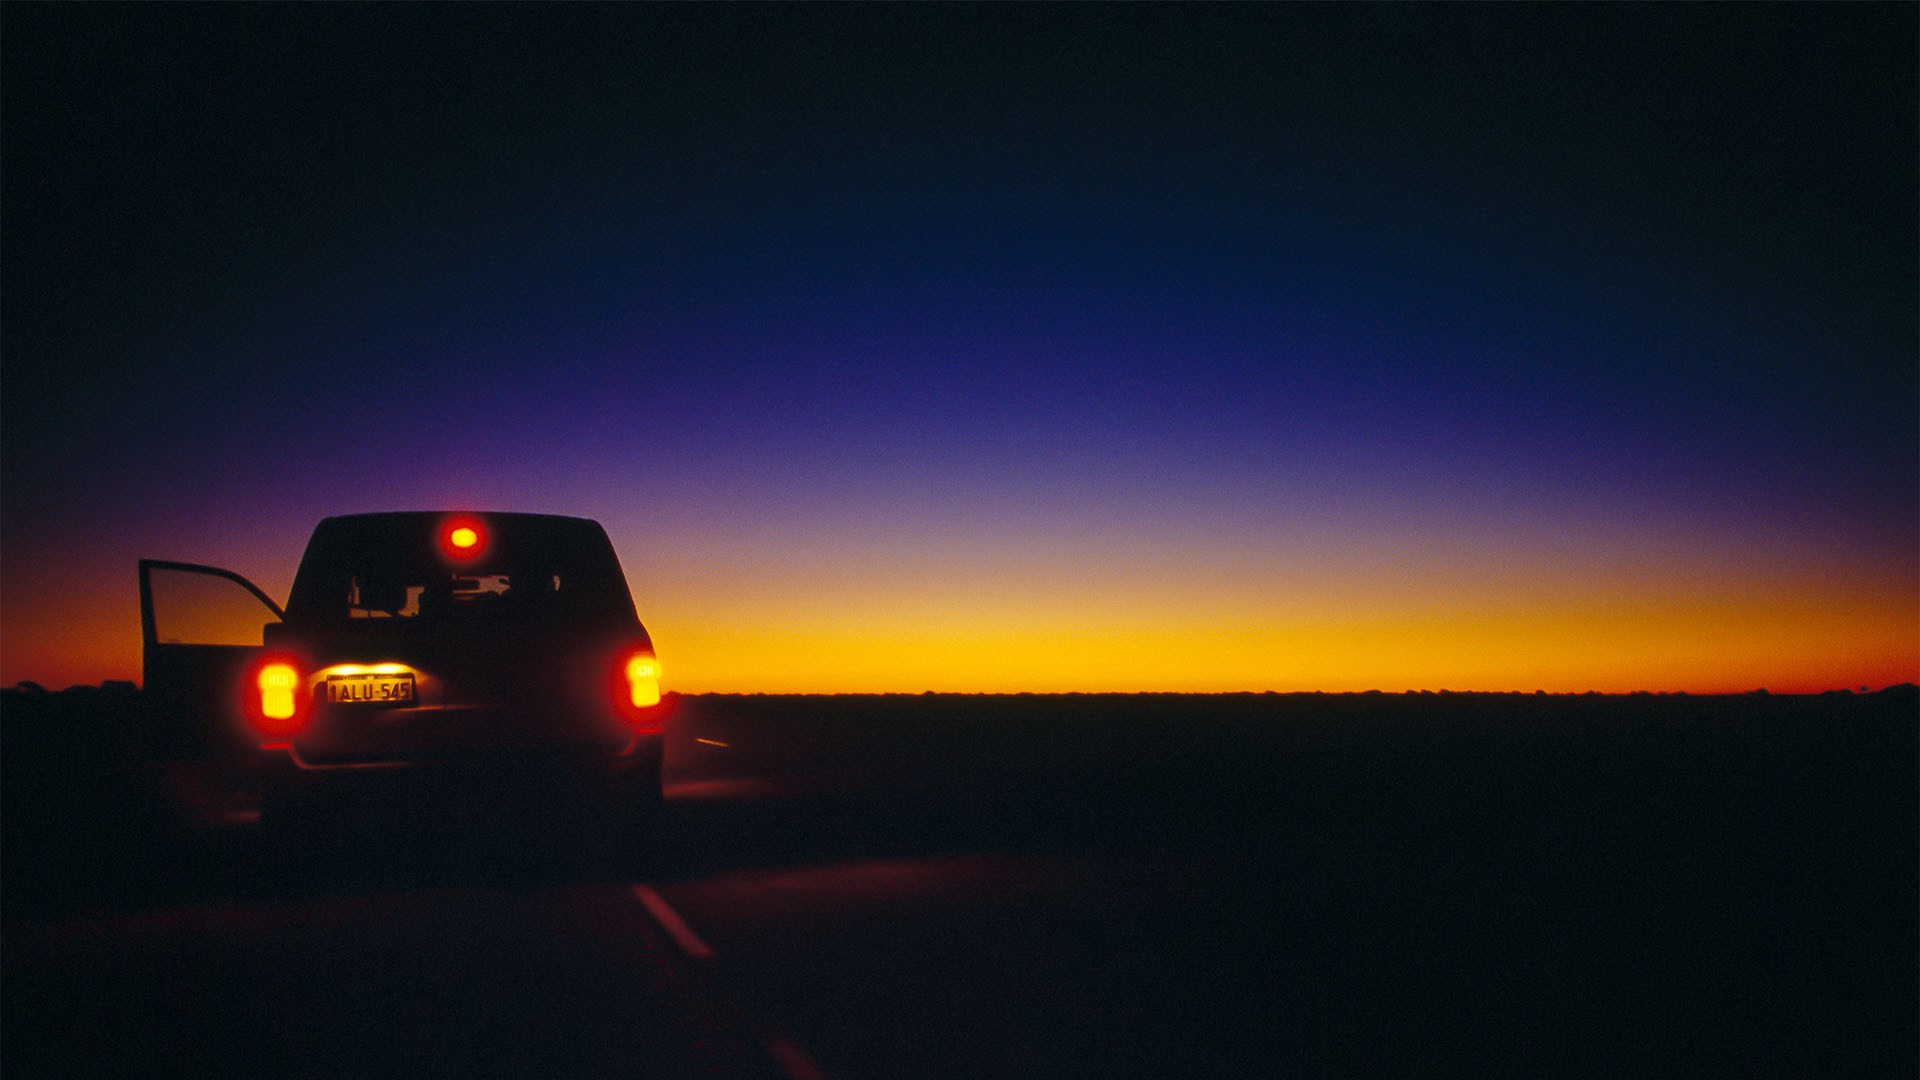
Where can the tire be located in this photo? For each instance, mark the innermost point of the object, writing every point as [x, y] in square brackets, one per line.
[288, 837]
[636, 816]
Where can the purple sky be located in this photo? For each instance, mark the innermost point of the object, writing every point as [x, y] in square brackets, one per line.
[905, 341]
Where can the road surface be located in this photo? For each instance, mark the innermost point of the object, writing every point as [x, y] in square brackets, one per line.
[1050, 886]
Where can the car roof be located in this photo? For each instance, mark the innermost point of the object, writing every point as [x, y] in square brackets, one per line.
[403, 518]
[397, 531]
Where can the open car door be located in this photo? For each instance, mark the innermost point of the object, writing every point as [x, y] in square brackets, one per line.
[201, 628]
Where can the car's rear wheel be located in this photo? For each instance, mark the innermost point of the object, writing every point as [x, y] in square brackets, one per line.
[634, 815]
[289, 824]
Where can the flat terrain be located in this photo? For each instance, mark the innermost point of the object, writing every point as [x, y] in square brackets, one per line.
[1240, 885]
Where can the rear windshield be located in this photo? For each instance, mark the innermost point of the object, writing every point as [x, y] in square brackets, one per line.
[396, 567]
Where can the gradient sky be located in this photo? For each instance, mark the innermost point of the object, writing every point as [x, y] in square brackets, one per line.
[996, 348]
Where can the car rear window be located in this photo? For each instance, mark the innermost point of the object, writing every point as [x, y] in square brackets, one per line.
[393, 567]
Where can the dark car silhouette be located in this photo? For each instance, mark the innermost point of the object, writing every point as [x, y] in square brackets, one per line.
[491, 647]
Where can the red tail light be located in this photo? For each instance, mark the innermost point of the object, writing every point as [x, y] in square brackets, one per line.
[272, 697]
[636, 689]
[643, 680]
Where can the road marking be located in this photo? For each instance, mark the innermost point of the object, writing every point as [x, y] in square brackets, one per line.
[670, 921]
[793, 1059]
[710, 742]
[784, 1051]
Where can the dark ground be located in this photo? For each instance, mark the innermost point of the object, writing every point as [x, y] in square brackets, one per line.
[1248, 885]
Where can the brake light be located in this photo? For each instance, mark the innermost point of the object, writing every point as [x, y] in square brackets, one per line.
[462, 538]
[277, 683]
[274, 707]
[643, 680]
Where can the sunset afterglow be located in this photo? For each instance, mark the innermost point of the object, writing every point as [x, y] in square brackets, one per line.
[982, 349]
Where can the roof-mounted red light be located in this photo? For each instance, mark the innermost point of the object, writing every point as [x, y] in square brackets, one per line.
[462, 538]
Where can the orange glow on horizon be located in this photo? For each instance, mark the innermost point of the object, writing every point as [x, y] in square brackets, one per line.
[713, 657]
[902, 614]
[1654, 651]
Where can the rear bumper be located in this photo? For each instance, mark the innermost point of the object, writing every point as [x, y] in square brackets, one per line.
[287, 756]
[355, 737]
[283, 762]
[284, 774]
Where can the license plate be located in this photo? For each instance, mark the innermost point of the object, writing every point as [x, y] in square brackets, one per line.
[370, 689]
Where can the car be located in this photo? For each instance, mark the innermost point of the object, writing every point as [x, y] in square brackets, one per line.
[483, 654]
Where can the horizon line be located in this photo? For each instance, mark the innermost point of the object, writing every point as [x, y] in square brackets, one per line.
[31, 688]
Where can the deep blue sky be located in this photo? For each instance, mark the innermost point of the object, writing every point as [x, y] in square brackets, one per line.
[992, 325]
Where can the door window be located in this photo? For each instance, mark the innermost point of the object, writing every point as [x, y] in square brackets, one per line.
[196, 608]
